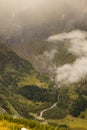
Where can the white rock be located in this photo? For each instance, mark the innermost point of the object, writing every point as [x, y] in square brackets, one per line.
[24, 128]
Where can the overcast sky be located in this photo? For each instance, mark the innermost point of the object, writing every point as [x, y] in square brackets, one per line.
[31, 12]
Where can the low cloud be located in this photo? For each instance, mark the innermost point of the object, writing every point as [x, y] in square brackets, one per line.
[77, 41]
[50, 55]
[76, 34]
[71, 73]
[45, 60]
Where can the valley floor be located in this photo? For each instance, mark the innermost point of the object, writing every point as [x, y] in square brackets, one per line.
[71, 122]
[68, 123]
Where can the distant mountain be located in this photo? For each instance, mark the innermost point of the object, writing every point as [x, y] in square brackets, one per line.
[30, 43]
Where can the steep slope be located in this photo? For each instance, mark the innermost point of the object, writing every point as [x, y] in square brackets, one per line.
[25, 92]
[15, 73]
[72, 101]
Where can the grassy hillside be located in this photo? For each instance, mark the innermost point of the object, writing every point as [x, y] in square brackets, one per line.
[72, 123]
[9, 123]
[16, 73]
[68, 123]
[72, 101]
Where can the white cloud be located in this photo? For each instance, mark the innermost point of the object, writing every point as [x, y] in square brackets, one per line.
[76, 34]
[71, 73]
[77, 39]
[50, 55]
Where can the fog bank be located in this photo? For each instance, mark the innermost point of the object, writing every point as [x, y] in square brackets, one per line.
[20, 13]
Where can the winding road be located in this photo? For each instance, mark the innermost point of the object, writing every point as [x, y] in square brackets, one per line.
[42, 112]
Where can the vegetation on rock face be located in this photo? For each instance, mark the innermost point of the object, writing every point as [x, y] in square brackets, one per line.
[55, 113]
[79, 105]
[38, 94]
[15, 73]
[72, 101]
